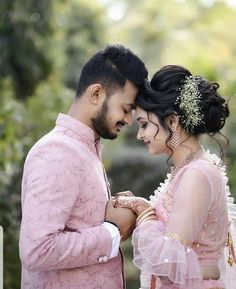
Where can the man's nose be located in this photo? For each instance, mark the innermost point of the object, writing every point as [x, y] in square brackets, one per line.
[128, 118]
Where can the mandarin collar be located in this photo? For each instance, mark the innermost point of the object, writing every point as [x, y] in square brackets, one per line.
[77, 127]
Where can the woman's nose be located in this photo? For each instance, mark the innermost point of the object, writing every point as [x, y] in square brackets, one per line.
[139, 135]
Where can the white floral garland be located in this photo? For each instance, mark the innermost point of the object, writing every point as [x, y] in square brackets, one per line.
[160, 191]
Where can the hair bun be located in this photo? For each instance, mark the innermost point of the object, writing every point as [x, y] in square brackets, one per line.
[213, 106]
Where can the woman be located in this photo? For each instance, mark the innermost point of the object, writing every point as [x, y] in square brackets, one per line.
[182, 231]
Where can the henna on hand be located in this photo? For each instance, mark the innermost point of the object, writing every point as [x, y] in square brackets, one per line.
[137, 204]
[124, 194]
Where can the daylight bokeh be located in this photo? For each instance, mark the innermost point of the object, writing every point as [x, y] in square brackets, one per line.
[43, 46]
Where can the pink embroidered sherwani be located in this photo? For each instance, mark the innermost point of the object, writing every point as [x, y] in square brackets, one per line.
[63, 243]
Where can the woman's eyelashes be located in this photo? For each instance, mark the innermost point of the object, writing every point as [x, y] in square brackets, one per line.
[144, 125]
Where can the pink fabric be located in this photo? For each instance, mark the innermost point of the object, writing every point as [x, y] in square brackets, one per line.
[212, 284]
[191, 230]
[64, 197]
[206, 284]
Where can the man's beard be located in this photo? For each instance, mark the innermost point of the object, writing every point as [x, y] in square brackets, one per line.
[100, 123]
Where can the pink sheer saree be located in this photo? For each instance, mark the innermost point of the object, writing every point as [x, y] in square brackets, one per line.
[191, 230]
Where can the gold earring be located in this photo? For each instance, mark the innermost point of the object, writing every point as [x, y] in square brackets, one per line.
[174, 141]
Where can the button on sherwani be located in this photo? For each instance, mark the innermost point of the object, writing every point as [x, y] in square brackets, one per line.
[64, 195]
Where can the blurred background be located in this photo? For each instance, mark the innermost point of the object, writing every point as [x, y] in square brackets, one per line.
[43, 46]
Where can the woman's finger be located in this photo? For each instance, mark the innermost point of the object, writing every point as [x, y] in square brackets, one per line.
[124, 194]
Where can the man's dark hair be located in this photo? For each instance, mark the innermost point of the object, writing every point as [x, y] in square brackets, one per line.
[111, 68]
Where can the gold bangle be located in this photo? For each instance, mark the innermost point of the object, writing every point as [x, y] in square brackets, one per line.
[152, 217]
[150, 209]
[146, 217]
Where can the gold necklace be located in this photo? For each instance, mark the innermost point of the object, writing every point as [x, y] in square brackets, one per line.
[186, 161]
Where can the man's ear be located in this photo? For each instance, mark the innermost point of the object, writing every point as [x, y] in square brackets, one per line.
[96, 94]
[173, 121]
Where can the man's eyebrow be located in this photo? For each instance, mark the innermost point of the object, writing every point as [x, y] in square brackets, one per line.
[133, 106]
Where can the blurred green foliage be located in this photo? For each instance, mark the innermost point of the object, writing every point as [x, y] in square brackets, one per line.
[43, 46]
[25, 36]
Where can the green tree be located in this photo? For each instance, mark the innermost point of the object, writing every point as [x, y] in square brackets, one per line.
[11, 153]
[25, 38]
[84, 34]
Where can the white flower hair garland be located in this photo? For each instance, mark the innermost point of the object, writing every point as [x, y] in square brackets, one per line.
[188, 102]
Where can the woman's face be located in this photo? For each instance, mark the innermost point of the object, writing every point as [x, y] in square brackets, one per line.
[152, 132]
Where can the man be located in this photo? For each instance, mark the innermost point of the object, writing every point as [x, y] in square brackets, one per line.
[70, 234]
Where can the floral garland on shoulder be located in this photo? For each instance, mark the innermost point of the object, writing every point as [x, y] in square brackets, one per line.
[160, 191]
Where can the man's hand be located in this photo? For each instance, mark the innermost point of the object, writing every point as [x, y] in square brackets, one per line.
[124, 218]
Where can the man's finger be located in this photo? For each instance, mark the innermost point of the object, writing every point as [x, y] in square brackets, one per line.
[110, 205]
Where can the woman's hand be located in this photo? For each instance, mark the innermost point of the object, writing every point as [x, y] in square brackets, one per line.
[123, 218]
[124, 194]
[137, 204]
[140, 206]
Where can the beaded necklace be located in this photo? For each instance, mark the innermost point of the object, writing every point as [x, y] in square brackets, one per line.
[186, 161]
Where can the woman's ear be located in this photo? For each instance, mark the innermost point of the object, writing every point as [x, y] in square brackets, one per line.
[173, 121]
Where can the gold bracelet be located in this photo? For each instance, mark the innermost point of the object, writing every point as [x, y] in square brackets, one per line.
[147, 215]
[150, 209]
[146, 219]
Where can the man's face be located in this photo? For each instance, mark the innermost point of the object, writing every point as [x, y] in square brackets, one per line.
[116, 112]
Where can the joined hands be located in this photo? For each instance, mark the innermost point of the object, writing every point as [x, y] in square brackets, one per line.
[142, 208]
[125, 210]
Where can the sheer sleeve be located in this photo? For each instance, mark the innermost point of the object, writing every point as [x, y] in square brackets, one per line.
[167, 252]
[192, 201]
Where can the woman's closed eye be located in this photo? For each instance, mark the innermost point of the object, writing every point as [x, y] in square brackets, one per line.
[144, 125]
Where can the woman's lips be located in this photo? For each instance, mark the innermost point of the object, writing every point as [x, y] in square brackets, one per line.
[146, 143]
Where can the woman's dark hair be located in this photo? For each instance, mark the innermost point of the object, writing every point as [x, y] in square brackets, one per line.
[161, 94]
[111, 68]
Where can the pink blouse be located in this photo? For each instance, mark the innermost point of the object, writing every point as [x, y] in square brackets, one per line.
[192, 226]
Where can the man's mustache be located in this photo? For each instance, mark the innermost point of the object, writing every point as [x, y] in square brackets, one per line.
[120, 123]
